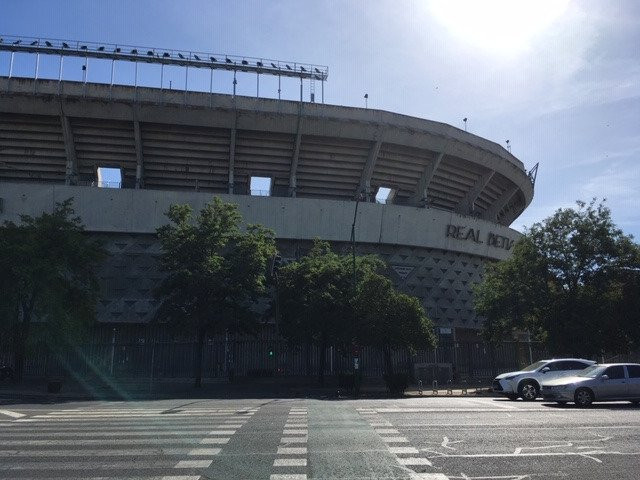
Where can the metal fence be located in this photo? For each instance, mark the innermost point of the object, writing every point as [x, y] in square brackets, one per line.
[470, 363]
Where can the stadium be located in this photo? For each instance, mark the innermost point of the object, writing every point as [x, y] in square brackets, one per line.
[433, 201]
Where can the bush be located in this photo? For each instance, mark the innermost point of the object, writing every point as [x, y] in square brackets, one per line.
[396, 383]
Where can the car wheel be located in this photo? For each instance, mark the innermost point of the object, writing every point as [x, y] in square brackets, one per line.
[583, 397]
[528, 391]
[513, 397]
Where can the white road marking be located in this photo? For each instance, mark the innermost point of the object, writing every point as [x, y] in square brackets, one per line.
[193, 464]
[383, 431]
[405, 450]
[222, 432]
[180, 477]
[12, 414]
[214, 441]
[204, 451]
[431, 476]
[288, 476]
[290, 462]
[292, 450]
[414, 461]
[537, 454]
[446, 442]
[295, 432]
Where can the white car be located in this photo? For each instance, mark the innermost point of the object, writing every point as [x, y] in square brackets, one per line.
[526, 382]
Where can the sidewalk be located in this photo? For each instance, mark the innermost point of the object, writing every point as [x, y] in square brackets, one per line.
[135, 389]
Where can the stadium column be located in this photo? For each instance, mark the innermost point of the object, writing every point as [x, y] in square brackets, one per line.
[232, 148]
[70, 149]
[465, 205]
[139, 157]
[420, 195]
[492, 212]
[293, 178]
[367, 171]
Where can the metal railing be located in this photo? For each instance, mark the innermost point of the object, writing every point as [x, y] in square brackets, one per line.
[163, 56]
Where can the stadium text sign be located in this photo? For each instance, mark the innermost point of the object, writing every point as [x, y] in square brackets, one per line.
[461, 232]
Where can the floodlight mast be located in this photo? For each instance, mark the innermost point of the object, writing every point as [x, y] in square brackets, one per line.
[162, 56]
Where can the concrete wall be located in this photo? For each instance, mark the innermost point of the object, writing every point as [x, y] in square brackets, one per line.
[142, 211]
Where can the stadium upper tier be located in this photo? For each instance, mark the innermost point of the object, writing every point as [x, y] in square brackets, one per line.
[62, 132]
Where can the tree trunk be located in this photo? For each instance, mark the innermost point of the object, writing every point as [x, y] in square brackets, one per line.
[322, 363]
[198, 364]
[388, 364]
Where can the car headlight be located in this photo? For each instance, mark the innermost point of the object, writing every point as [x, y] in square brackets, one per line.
[510, 377]
[562, 387]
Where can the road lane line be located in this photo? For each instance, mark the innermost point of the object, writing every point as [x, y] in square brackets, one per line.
[290, 462]
[12, 414]
[294, 431]
[194, 464]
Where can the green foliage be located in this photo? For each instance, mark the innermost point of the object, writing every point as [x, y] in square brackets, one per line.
[47, 266]
[513, 293]
[389, 319]
[572, 281]
[215, 271]
[319, 304]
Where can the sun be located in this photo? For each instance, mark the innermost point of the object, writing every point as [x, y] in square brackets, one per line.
[501, 26]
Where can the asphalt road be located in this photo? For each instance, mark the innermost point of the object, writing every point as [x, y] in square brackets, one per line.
[428, 438]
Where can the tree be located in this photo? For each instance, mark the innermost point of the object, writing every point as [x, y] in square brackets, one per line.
[316, 295]
[47, 276]
[513, 293]
[215, 271]
[389, 319]
[567, 282]
[320, 305]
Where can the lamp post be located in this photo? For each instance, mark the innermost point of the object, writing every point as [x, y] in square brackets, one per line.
[356, 360]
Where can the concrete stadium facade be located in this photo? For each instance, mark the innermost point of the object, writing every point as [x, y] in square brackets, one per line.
[454, 194]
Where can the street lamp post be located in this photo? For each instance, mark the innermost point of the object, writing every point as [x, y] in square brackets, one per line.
[356, 360]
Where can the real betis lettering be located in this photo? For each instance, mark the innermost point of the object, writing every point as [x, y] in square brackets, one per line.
[461, 232]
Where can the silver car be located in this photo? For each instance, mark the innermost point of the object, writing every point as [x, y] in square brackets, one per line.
[526, 383]
[597, 383]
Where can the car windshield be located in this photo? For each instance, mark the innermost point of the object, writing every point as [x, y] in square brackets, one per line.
[592, 372]
[533, 366]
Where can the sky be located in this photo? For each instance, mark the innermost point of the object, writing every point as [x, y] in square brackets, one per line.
[559, 79]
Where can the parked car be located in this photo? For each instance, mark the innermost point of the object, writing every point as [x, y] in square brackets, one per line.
[597, 383]
[526, 382]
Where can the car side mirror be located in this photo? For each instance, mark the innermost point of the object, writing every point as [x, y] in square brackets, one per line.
[604, 377]
[545, 370]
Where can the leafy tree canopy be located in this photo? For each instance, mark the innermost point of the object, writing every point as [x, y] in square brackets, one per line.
[215, 271]
[390, 319]
[47, 266]
[319, 304]
[572, 281]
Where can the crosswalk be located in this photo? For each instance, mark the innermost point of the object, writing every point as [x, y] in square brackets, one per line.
[193, 442]
[123, 443]
[406, 455]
